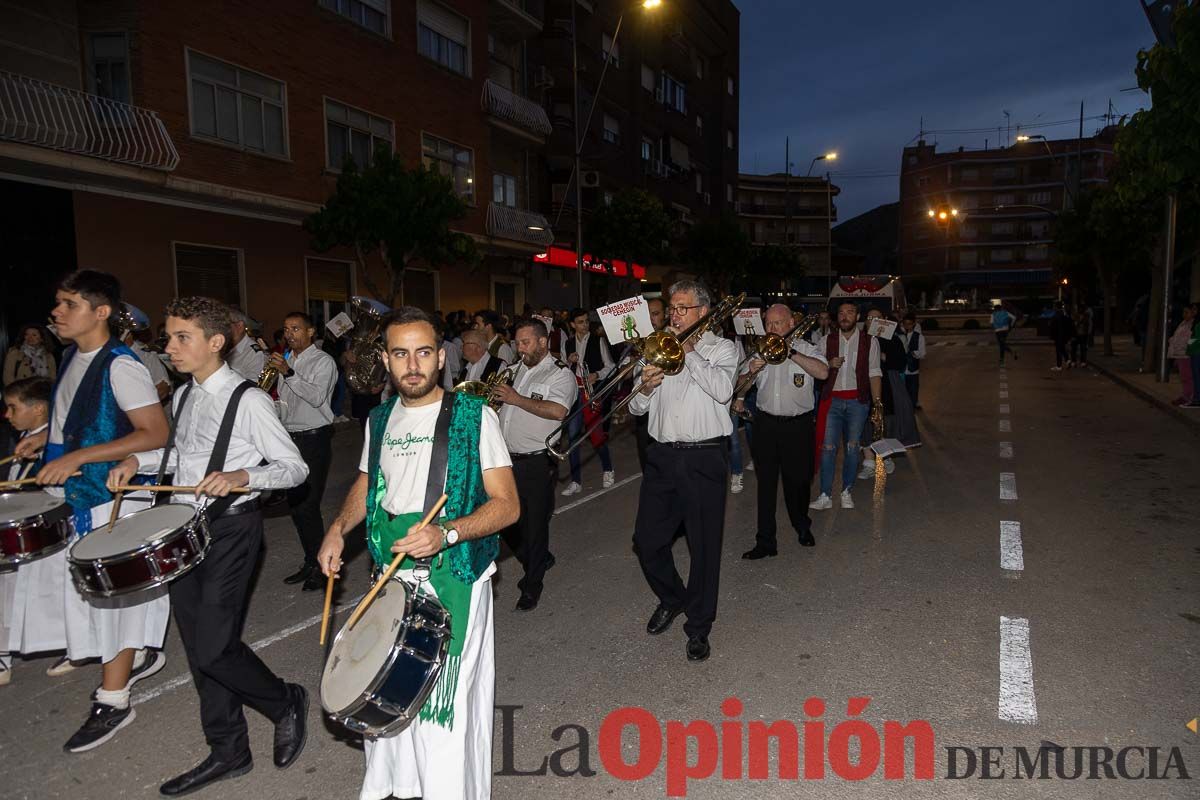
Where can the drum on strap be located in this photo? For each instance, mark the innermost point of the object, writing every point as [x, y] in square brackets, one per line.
[380, 673]
[144, 550]
[32, 525]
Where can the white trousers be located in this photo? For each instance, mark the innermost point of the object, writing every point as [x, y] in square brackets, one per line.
[31, 606]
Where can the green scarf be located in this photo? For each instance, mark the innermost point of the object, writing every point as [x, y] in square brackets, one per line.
[454, 571]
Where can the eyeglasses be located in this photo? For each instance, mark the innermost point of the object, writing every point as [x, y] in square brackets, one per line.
[672, 310]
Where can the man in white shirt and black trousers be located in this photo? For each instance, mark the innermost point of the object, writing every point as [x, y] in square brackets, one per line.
[245, 357]
[543, 391]
[589, 357]
[783, 433]
[686, 465]
[306, 381]
[225, 435]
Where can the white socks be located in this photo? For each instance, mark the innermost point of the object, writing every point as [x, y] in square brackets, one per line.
[117, 699]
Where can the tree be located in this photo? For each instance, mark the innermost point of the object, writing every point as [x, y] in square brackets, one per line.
[772, 264]
[402, 214]
[635, 227]
[719, 251]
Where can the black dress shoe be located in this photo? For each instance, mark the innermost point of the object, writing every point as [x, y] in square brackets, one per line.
[528, 601]
[697, 648]
[301, 574]
[757, 552]
[661, 619]
[806, 539]
[314, 582]
[291, 731]
[210, 770]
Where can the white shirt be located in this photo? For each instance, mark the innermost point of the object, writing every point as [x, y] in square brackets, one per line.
[581, 349]
[504, 352]
[257, 435]
[523, 431]
[17, 468]
[154, 365]
[694, 405]
[817, 337]
[454, 361]
[847, 375]
[918, 354]
[786, 390]
[307, 393]
[475, 371]
[246, 360]
[408, 446]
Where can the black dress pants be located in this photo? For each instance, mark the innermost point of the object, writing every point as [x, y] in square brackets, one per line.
[641, 433]
[210, 606]
[316, 448]
[685, 486]
[782, 446]
[529, 536]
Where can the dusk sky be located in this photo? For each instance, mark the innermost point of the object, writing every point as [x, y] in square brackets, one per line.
[857, 76]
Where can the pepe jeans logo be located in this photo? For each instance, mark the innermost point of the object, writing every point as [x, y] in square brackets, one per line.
[408, 441]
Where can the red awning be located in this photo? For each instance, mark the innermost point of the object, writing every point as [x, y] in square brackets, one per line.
[566, 259]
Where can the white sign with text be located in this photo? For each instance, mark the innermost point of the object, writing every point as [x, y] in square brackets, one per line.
[748, 322]
[883, 328]
[626, 319]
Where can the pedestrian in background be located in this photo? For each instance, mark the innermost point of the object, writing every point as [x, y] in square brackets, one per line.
[1079, 344]
[1177, 350]
[1193, 351]
[1062, 330]
[1002, 323]
[30, 357]
[914, 349]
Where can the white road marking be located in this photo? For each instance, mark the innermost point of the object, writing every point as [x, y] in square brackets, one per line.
[1017, 702]
[1006, 450]
[1011, 555]
[1003, 394]
[1004, 408]
[594, 495]
[1004, 384]
[1005, 426]
[1008, 486]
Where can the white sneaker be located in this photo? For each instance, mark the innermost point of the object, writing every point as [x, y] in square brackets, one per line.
[821, 503]
[889, 466]
[60, 667]
[5, 674]
[749, 467]
[1056, 369]
[867, 470]
[735, 484]
[610, 478]
[572, 488]
[847, 500]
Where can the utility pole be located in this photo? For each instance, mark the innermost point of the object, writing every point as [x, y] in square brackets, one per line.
[829, 226]
[787, 204]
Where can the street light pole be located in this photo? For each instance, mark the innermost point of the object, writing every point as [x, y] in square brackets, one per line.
[829, 225]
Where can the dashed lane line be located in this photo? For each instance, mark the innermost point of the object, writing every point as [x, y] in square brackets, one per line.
[1008, 486]
[1005, 426]
[1006, 450]
[594, 495]
[1017, 702]
[1012, 556]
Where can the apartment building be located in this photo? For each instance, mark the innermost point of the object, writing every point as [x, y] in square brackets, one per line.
[984, 218]
[791, 211]
[180, 145]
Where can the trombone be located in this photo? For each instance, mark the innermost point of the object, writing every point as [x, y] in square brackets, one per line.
[662, 349]
[773, 349]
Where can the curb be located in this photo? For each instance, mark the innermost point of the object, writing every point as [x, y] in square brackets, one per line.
[1191, 420]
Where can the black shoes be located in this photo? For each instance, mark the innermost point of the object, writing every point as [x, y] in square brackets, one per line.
[661, 619]
[698, 648]
[303, 574]
[758, 551]
[102, 724]
[210, 770]
[291, 731]
[314, 582]
[806, 539]
[527, 602]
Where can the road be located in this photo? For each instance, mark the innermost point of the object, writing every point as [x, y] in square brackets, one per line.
[1065, 614]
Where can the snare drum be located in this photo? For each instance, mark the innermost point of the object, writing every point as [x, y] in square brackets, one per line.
[32, 525]
[146, 549]
[380, 674]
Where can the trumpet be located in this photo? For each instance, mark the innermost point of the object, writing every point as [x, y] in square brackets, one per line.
[662, 349]
[268, 376]
[487, 388]
[773, 349]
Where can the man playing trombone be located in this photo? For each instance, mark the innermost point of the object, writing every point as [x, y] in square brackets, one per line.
[686, 465]
[783, 435]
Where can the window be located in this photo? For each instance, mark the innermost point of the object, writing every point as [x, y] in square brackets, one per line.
[674, 93]
[729, 139]
[1003, 228]
[699, 183]
[1038, 197]
[967, 232]
[729, 193]
[921, 232]
[922, 181]
[1002, 256]
[968, 201]
[921, 260]
[236, 106]
[351, 133]
[679, 154]
[611, 49]
[1004, 199]
[1002, 173]
[209, 272]
[608, 198]
[370, 14]
[969, 174]
[701, 65]
[455, 162]
[1039, 229]
[647, 149]
[1037, 252]
[968, 259]
[729, 85]
[612, 129]
[108, 66]
[444, 37]
[648, 82]
[504, 190]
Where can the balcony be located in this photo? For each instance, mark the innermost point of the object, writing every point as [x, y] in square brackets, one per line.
[46, 115]
[515, 113]
[504, 222]
[779, 210]
[517, 19]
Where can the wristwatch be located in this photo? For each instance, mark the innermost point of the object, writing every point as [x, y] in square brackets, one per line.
[449, 536]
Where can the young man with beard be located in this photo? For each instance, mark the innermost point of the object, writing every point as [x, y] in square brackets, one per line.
[534, 406]
[446, 752]
[226, 435]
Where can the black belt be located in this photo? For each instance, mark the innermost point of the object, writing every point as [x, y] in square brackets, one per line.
[248, 507]
[309, 432]
[792, 418]
[718, 441]
[523, 456]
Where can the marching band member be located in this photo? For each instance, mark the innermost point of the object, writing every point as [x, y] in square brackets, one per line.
[488, 323]
[542, 392]
[589, 356]
[226, 435]
[306, 382]
[446, 752]
[783, 433]
[481, 364]
[104, 409]
[158, 373]
[685, 472]
[31, 619]
[245, 357]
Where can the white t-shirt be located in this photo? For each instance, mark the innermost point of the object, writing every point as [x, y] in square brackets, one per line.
[408, 446]
[130, 384]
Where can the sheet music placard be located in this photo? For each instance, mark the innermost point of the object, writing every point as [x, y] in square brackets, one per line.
[626, 319]
[883, 328]
[748, 322]
[888, 447]
[339, 325]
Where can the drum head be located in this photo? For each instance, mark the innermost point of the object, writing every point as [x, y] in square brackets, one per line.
[17, 506]
[132, 532]
[360, 654]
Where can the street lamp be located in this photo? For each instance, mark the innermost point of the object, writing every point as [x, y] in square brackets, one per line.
[830, 156]
[649, 5]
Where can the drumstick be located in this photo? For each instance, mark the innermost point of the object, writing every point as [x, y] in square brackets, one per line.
[112, 518]
[328, 603]
[27, 481]
[391, 570]
[136, 487]
[8, 459]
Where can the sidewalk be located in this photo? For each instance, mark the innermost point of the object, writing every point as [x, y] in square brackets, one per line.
[1123, 368]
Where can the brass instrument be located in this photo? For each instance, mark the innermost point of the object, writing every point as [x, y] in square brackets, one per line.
[366, 344]
[487, 388]
[268, 376]
[773, 349]
[877, 420]
[662, 349]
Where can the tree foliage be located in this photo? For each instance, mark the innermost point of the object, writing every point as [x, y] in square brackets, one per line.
[635, 227]
[402, 214]
[771, 264]
[718, 250]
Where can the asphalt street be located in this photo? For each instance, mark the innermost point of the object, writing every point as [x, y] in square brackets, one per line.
[1029, 576]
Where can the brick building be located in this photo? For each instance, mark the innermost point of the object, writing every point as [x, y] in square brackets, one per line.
[1001, 238]
[791, 211]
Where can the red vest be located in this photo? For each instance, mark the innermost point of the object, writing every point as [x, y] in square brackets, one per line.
[861, 366]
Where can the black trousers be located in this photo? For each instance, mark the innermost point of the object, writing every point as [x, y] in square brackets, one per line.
[685, 486]
[316, 448]
[783, 446]
[210, 606]
[529, 537]
[641, 432]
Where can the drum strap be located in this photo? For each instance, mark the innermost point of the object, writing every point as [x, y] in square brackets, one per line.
[164, 497]
[216, 461]
[436, 483]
